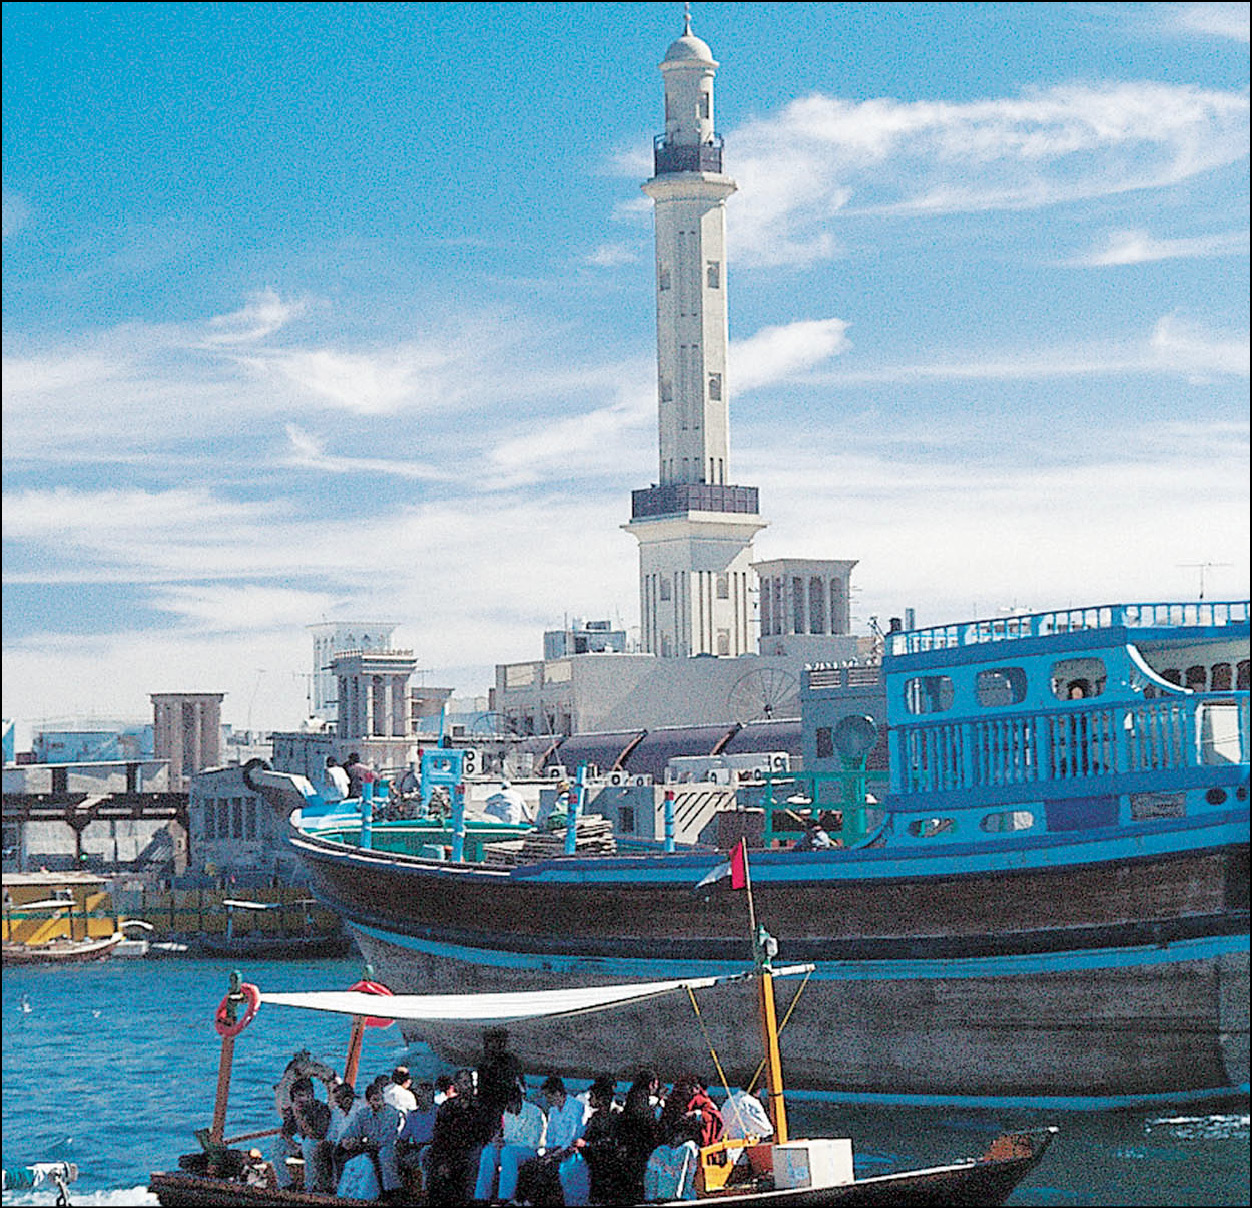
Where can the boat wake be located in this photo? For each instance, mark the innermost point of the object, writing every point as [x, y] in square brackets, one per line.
[1202, 1128]
[122, 1197]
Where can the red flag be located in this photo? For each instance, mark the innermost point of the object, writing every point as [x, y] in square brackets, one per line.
[736, 868]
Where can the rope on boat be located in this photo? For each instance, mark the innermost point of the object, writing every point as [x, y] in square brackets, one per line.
[717, 1064]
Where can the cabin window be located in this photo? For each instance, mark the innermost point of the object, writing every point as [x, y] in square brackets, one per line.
[1144, 806]
[249, 818]
[1197, 678]
[1007, 820]
[223, 818]
[825, 743]
[713, 274]
[236, 817]
[1221, 677]
[1173, 675]
[928, 828]
[929, 694]
[209, 818]
[1241, 676]
[626, 819]
[1220, 740]
[1000, 686]
[1078, 679]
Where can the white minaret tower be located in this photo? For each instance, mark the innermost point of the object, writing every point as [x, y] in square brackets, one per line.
[694, 529]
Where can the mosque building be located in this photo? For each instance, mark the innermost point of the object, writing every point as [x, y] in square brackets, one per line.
[723, 638]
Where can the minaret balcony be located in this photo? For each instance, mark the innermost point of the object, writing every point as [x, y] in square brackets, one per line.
[686, 157]
[676, 498]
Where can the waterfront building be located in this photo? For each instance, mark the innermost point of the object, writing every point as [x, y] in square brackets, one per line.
[233, 833]
[583, 637]
[704, 657]
[187, 732]
[329, 639]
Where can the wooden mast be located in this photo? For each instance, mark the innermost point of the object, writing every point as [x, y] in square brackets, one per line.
[768, 1012]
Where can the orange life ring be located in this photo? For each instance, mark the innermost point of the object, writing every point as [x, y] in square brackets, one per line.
[252, 996]
[373, 987]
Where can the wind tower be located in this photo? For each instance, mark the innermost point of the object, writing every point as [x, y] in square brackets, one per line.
[694, 527]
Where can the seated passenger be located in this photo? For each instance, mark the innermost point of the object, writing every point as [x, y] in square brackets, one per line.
[744, 1115]
[558, 1172]
[305, 1122]
[519, 1138]
[638, 1134]
[600, 1146]
[453, 1151]
[369, 1142]
[416, 1134]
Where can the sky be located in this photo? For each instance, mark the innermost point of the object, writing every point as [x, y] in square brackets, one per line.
[318, 312]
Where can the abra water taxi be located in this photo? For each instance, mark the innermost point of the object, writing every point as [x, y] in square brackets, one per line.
[58, 918]
[744, 1173]
[1048, 909]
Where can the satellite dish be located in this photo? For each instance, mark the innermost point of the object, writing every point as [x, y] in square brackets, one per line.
[855, 736]
[763, 695]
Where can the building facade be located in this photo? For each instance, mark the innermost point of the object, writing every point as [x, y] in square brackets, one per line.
[329, 638]
[187, 732]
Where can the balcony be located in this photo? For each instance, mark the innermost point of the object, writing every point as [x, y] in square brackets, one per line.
[677, 498]
[683, 157]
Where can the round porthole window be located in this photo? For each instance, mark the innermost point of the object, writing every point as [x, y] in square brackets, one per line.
[1215, 796]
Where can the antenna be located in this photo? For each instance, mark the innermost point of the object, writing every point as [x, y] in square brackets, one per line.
[1202, 567]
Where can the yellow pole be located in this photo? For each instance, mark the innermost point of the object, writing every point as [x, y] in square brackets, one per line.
[773, 1059]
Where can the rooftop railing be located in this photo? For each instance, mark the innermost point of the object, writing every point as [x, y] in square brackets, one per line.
[674, 498]
[1199, 614]
[686, 157]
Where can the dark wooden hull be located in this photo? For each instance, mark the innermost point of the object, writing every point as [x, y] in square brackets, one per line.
[988, 1181]
[1091, 979]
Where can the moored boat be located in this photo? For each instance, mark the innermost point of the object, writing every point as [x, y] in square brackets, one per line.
[746, 1172]
[75, 924]
[1050, 907]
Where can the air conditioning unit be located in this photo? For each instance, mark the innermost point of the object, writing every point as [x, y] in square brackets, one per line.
[471, 761]
[717, 776]
[618, 778]
[644, 778]
[592, 771]
[557, 772]
[780, 761]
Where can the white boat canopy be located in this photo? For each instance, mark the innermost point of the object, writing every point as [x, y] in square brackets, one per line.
[503, 1008]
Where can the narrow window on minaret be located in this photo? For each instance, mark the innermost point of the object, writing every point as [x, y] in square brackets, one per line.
[715, 386]
[704, 104]
[714, 274]
[664, 278]
[667, 390]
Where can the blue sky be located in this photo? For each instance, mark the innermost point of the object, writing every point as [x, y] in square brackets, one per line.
[346, 312]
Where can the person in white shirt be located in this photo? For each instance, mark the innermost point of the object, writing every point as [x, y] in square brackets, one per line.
[745, 1116]
[336, 786]
[521, 1136]
[560, 1159]
[399, 1091]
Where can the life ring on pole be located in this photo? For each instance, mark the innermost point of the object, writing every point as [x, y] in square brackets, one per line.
[373, 987]
[221, 1019]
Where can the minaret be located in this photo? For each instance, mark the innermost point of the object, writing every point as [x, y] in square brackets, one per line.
[694, 528]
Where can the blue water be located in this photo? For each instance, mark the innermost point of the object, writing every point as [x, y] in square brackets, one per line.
[114, 1065]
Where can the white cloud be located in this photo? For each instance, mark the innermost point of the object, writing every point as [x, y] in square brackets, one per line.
[1140, 247]
[264, 314]
[1174, 347]
[1069, 142]
[611, 255]
[1216, 20]
[775, 353]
